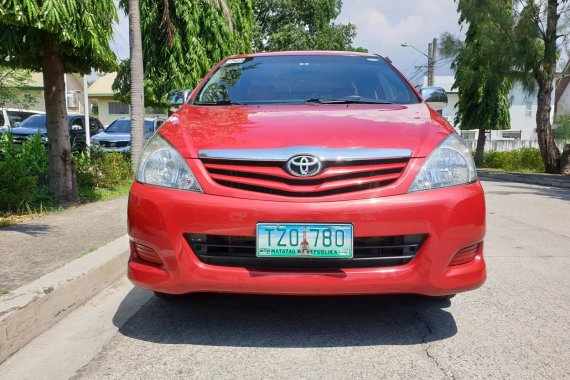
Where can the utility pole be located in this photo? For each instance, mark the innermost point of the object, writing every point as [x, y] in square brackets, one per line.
[430, 65]
[433, 59]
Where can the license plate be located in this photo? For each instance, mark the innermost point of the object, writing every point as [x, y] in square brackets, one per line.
[327, 241]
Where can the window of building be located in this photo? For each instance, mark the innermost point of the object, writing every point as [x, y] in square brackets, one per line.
[118, 108]
[511, 134]
[528, 108]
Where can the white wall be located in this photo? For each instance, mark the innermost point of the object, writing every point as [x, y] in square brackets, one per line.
[105, 117]
[523, 108]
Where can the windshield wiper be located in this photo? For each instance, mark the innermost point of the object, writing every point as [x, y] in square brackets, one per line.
[345, 101]
[218, 103]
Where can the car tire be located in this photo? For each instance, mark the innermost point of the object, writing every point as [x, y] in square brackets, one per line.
[167, 296]
[447, 297]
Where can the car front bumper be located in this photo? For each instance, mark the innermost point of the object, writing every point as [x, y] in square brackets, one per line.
[452, 219]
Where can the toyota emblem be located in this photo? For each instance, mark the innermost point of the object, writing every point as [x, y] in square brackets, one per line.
[304, 165]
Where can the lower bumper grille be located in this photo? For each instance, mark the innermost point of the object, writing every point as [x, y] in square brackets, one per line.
[114, 144]
[369, 252]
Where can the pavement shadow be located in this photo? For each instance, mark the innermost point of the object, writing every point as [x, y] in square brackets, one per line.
[29, 229]
[290, 322]
[525, 189]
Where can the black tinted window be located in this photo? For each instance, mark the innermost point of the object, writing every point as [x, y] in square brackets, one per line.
[295, 79]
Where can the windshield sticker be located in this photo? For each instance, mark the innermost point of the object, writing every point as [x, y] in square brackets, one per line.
[234, 61]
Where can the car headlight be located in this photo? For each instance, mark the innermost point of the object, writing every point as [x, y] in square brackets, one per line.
[450, 164]
[44, 139]
[161, 165]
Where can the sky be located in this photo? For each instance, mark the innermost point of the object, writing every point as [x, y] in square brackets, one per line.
[382, 26]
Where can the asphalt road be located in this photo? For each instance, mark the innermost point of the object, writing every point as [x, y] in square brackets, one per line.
[517, 326]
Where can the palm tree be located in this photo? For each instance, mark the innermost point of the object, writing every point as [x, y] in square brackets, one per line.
[137, 82]
[137, 68]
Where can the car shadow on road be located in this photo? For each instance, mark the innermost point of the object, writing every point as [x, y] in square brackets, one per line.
[290, 322]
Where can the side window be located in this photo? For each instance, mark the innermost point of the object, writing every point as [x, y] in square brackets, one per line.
[94, 123]
[76, 124]
[2, 121]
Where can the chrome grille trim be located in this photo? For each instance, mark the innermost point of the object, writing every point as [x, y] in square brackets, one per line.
[323, 153]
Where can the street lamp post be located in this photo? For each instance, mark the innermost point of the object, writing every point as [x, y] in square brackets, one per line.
[430, 57]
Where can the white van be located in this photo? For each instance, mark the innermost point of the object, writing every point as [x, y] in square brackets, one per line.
[12, 117]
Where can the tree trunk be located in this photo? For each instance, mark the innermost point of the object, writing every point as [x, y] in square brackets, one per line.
[544, 75]
[548, 148]
[565, 161]
[137, 83]
[62, 183]
[480, 150]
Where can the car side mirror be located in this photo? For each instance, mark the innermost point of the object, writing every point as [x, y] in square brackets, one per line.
[176, 98]
[100, 130]
[17, 124]
[435, 97]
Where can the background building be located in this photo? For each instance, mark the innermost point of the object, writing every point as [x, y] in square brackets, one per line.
[105, 107]
[34, 88]
[523, 112]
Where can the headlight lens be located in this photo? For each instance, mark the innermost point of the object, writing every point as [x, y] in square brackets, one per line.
[161, 165]
[450, 164]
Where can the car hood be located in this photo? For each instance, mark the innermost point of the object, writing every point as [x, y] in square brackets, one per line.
[112, 136]
[415, 127]
[28, 131]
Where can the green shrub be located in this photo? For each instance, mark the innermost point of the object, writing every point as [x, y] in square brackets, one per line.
[102, 170]
[17, 186]
[520, 160]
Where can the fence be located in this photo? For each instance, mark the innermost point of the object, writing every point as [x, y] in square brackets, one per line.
[509, 145]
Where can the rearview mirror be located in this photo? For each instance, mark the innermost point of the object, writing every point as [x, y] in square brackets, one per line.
[177, 98]
[435, 97]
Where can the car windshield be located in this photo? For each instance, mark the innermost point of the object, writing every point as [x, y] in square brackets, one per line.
[124, 126]
[35, 122]
[305, 78]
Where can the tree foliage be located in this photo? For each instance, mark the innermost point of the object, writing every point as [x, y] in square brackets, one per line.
[301, 25]
[57, 36]
[532, 34]
[183, 39]
[482, 72]
[11, 81]
[81, 29]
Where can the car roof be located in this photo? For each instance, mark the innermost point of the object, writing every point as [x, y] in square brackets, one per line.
[307, 53]
[146, 118]
[22, 110]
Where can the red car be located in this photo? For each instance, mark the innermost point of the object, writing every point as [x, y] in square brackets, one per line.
[307, 173]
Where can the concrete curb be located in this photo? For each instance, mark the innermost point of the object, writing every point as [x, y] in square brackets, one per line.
[524, 179]
[33, 308]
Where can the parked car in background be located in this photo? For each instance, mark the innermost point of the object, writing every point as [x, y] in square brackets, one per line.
[117, 136]
[37, 124]
[12, 117]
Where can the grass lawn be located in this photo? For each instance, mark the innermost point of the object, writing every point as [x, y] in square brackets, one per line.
[86, 195]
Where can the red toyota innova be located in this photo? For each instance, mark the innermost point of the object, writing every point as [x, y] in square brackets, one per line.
[307, 173]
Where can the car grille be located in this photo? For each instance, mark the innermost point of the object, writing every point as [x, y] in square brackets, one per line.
[369, 252]
[270, 177]
[114, 144]
[20, 139]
